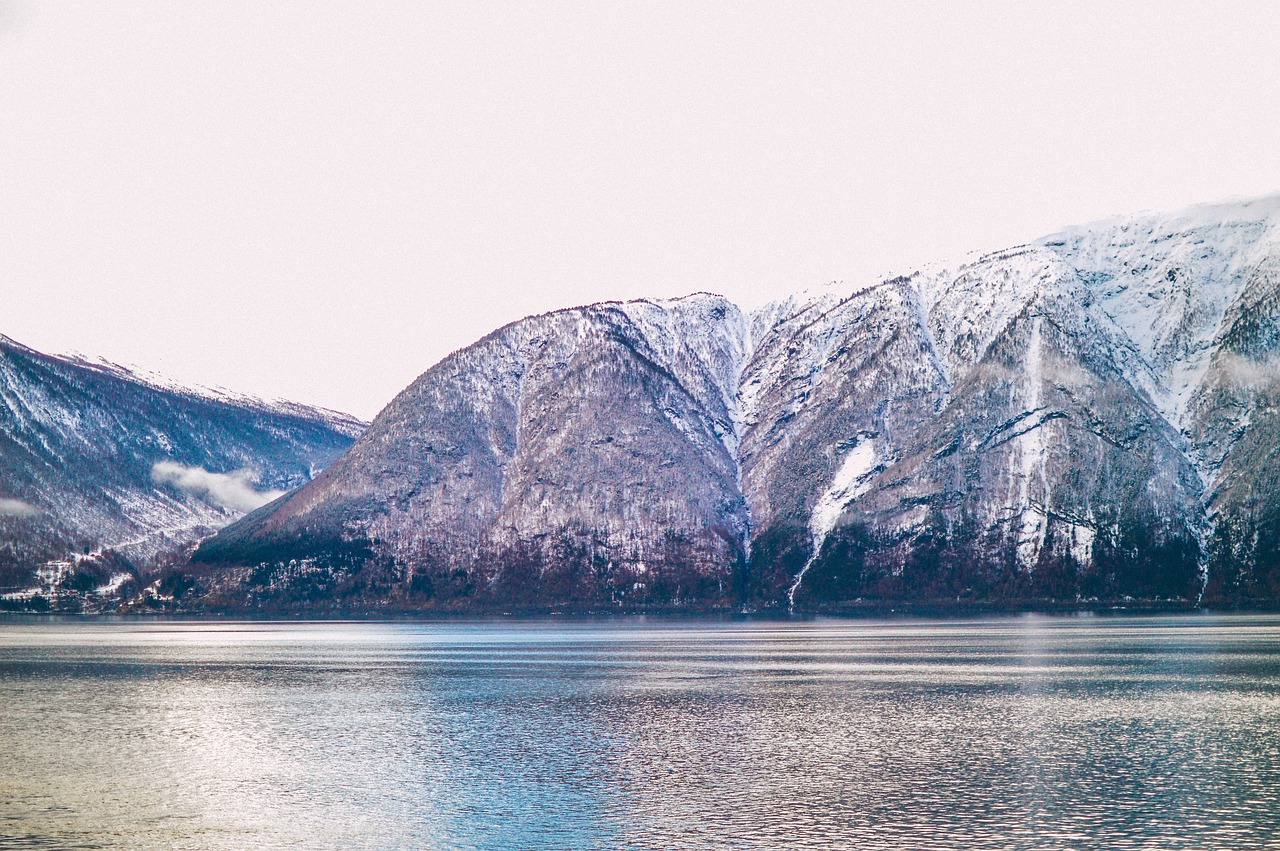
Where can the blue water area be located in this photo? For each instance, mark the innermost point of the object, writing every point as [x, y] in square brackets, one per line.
[1019, 732]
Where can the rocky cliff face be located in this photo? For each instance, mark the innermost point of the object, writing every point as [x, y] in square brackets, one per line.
[103, 472]
[1089, 416]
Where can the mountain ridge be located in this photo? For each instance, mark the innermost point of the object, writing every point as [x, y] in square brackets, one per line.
[1047, 421]
[104, 474]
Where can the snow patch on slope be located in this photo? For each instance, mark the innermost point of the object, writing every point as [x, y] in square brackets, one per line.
[852, 479]
[850, 482]
[1032, 523]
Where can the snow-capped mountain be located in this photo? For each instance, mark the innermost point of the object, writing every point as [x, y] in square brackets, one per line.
[581, 454]
[1088, 416]
[96, 459]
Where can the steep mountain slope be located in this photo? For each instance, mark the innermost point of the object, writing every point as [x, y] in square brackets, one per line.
[588, 455]
[834, 390]
[1089, 416]
[93, 458]
[1045, 473]
[1196, 293]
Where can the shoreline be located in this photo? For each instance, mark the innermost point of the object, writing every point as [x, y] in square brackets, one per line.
[852, 612]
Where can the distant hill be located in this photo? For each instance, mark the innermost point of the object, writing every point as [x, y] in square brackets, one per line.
[94, 459]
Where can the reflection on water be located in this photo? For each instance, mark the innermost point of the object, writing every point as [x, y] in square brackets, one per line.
[1028, 732]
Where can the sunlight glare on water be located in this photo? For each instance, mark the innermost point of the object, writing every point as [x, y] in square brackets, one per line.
[1030, 732]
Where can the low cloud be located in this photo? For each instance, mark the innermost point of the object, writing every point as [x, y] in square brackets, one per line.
[1249, 372]
[17, 508]
[230, 491]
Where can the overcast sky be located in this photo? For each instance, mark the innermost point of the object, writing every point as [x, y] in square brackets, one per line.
[317, 201]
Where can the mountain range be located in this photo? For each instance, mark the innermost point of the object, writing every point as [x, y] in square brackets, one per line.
[1086, 419]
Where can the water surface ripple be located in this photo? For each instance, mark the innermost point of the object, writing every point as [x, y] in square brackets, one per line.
[1024, 732]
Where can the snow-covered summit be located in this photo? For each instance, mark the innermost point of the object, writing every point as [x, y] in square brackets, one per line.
[1169, 282]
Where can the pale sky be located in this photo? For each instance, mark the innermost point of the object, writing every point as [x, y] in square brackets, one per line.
[317, 201]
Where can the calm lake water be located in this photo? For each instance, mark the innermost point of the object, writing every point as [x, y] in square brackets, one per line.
[1025, 732]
